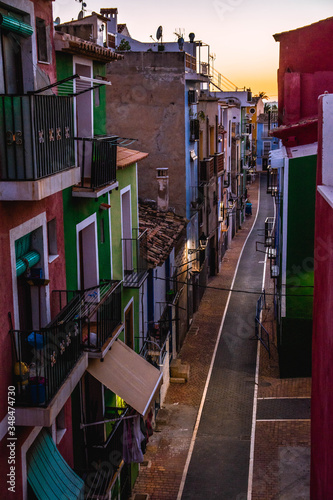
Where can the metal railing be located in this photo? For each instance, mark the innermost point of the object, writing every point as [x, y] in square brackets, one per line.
[218, 163]
[269, 231]
[190, 62]
[44, 358]
[135, 257]
[260, 331]
[272, 181]
[155, 351]
[100, 480]
[97, 158]
[98, 310]
[207, 169]
[36, 136]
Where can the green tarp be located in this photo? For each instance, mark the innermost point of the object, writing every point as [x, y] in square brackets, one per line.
[49, 475]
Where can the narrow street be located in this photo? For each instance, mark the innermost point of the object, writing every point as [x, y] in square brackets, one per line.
[219, 465]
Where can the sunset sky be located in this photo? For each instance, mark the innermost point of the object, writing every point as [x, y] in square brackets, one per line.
[239, 32]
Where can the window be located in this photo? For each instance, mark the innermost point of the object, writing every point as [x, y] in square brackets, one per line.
[266, 148]
[162, 172]
[52, 239]
[42, 41]
[194, 130]
[192, 96]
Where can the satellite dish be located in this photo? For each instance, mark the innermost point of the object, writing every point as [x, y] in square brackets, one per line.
[191, 37]
[159, 32]
[57, 21]
[81, 14]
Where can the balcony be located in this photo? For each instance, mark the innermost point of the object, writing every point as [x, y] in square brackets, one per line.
[272, 181]
[190, 62]
[48, 364]
[37, 152]
[219, 163]
[101, 480]
[97, 158]
[135, 263]
[207, 169]
[99, 313]
[269, 231]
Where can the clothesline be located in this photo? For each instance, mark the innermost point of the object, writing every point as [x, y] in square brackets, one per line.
[82, 426]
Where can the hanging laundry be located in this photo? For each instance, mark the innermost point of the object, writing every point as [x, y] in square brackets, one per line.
[127, 442]
[138, 437]
[132, 439]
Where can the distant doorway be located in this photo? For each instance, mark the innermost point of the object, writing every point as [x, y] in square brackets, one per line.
[88, 275]
[129, 332]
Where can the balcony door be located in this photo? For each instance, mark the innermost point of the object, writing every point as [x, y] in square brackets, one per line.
[129, 333]
[11, 63]
[126, 225]
[87, 250]
[84, 117]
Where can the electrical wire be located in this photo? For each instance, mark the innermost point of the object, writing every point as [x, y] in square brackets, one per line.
[252, 292]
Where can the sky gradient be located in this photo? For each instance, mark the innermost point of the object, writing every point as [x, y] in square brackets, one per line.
[239, 32]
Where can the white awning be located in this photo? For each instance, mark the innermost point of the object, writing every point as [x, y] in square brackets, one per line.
[277, 157]
[128, 375]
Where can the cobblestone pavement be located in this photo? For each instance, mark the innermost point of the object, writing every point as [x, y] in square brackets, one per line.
[277, 443]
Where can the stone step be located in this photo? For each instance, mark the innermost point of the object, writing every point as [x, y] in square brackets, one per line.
[177, 380]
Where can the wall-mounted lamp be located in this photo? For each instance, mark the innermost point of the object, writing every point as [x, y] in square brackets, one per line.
[203, 241]
[104, 206]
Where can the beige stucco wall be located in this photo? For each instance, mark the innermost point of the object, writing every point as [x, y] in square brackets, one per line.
[146, 101]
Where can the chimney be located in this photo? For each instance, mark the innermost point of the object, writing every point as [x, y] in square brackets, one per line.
[112, 16]
[162, 189]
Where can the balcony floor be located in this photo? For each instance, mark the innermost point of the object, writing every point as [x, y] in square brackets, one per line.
[95, 352]
[134, 280]
[86, 191]
[36, 190]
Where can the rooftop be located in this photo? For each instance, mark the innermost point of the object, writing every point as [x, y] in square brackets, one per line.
[164, 230]
[277, 36]
[73, 45]
[127, 156]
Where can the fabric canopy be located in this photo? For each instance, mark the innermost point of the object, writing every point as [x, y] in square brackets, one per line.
[49, 475]
[128, 375]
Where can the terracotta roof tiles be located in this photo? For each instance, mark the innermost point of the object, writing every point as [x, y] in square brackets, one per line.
[164, 229]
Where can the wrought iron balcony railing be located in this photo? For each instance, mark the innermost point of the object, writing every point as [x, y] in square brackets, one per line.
[36, 136]
[97, 158]
[135, 263]
[98, 311]
[99, 480]
[219, 163]
[272, 181]
[44, 358]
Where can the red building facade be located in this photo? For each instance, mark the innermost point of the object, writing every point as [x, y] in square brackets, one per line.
[31, 209]
[305, 71]
[322, 351]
